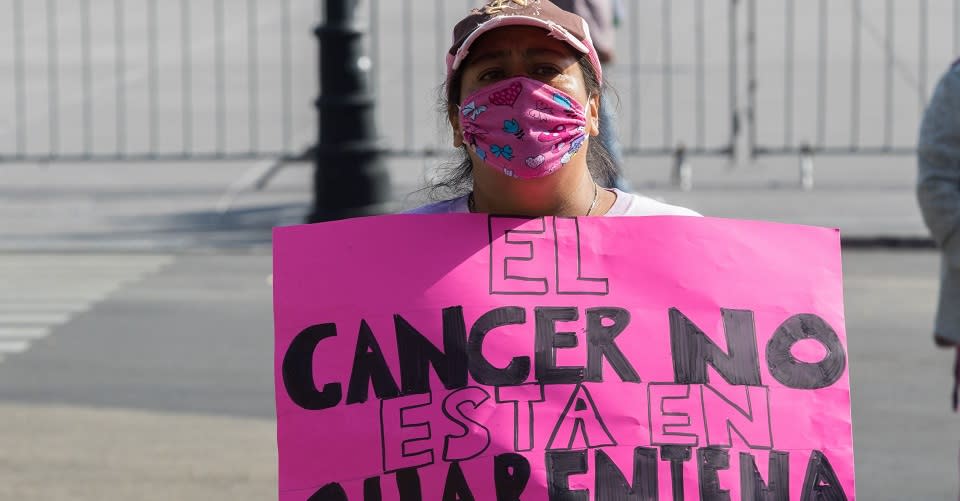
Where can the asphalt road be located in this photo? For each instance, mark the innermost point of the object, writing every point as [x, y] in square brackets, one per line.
[167, 382]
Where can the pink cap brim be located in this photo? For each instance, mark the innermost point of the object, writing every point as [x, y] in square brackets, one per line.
[554, 30]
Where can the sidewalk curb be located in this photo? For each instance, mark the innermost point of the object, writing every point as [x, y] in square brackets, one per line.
[896, 243]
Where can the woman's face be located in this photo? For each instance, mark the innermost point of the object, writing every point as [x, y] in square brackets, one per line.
[525, 51]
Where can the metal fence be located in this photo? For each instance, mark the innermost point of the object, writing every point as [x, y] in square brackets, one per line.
[95, 80]
[100, 80]
[847, 77]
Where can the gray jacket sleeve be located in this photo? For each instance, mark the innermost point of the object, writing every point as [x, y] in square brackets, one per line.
[938, 153]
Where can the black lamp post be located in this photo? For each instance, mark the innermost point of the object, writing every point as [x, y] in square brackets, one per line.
[350, 178]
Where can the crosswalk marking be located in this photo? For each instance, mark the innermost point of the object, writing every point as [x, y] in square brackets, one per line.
[34, 319]
[39, 293]
[42, 307]
[23, 332]
[18, 346]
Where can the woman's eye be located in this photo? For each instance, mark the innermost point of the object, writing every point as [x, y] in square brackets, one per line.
[547, 71]
[490, 75]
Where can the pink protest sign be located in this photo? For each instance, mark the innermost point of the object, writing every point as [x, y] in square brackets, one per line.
[465, 357]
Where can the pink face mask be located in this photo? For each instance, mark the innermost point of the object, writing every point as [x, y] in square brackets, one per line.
[522, 127]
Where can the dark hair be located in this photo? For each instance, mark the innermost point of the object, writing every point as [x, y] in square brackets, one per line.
[456, 177]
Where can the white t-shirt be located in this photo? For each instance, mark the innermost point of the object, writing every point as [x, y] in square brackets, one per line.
[627, 204]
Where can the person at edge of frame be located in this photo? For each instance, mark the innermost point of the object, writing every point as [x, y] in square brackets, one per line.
[601, 16]
[522, 94]
[938, 191]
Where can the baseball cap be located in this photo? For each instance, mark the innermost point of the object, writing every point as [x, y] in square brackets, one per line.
[560, 24]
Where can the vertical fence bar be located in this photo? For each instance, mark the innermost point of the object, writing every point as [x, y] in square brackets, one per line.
[701, 85]
[253, 89]
[220, 87]
[667, 69]
[375, 42]
[53, 78]
[790, 20]
[440, 30]
[441, 40]
[855, 68]
[153, 76]
[375, 45]
[86, 77]
[635, 94]
[120, 67]
[752, 78]
[321, 19]
[286, 77]
[408, 76]
[20, 94]
[823, 33]
[888, 78]
[922, 56]
[733, 69]
[186, 76]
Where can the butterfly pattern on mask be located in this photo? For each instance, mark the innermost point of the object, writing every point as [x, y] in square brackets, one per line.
[565, 104]
[472, 111]
[505, 151]
[574, 148]
[512, 126]
[471, 133]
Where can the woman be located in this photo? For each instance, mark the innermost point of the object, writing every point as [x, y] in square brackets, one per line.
[523, 94]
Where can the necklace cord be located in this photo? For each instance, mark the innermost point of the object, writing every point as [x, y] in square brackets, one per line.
[596, 198]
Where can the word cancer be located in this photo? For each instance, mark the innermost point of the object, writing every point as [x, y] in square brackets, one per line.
[462, 354]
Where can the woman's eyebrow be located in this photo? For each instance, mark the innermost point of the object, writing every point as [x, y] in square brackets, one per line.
[487, 56]
[540, 51]
[493, 54]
